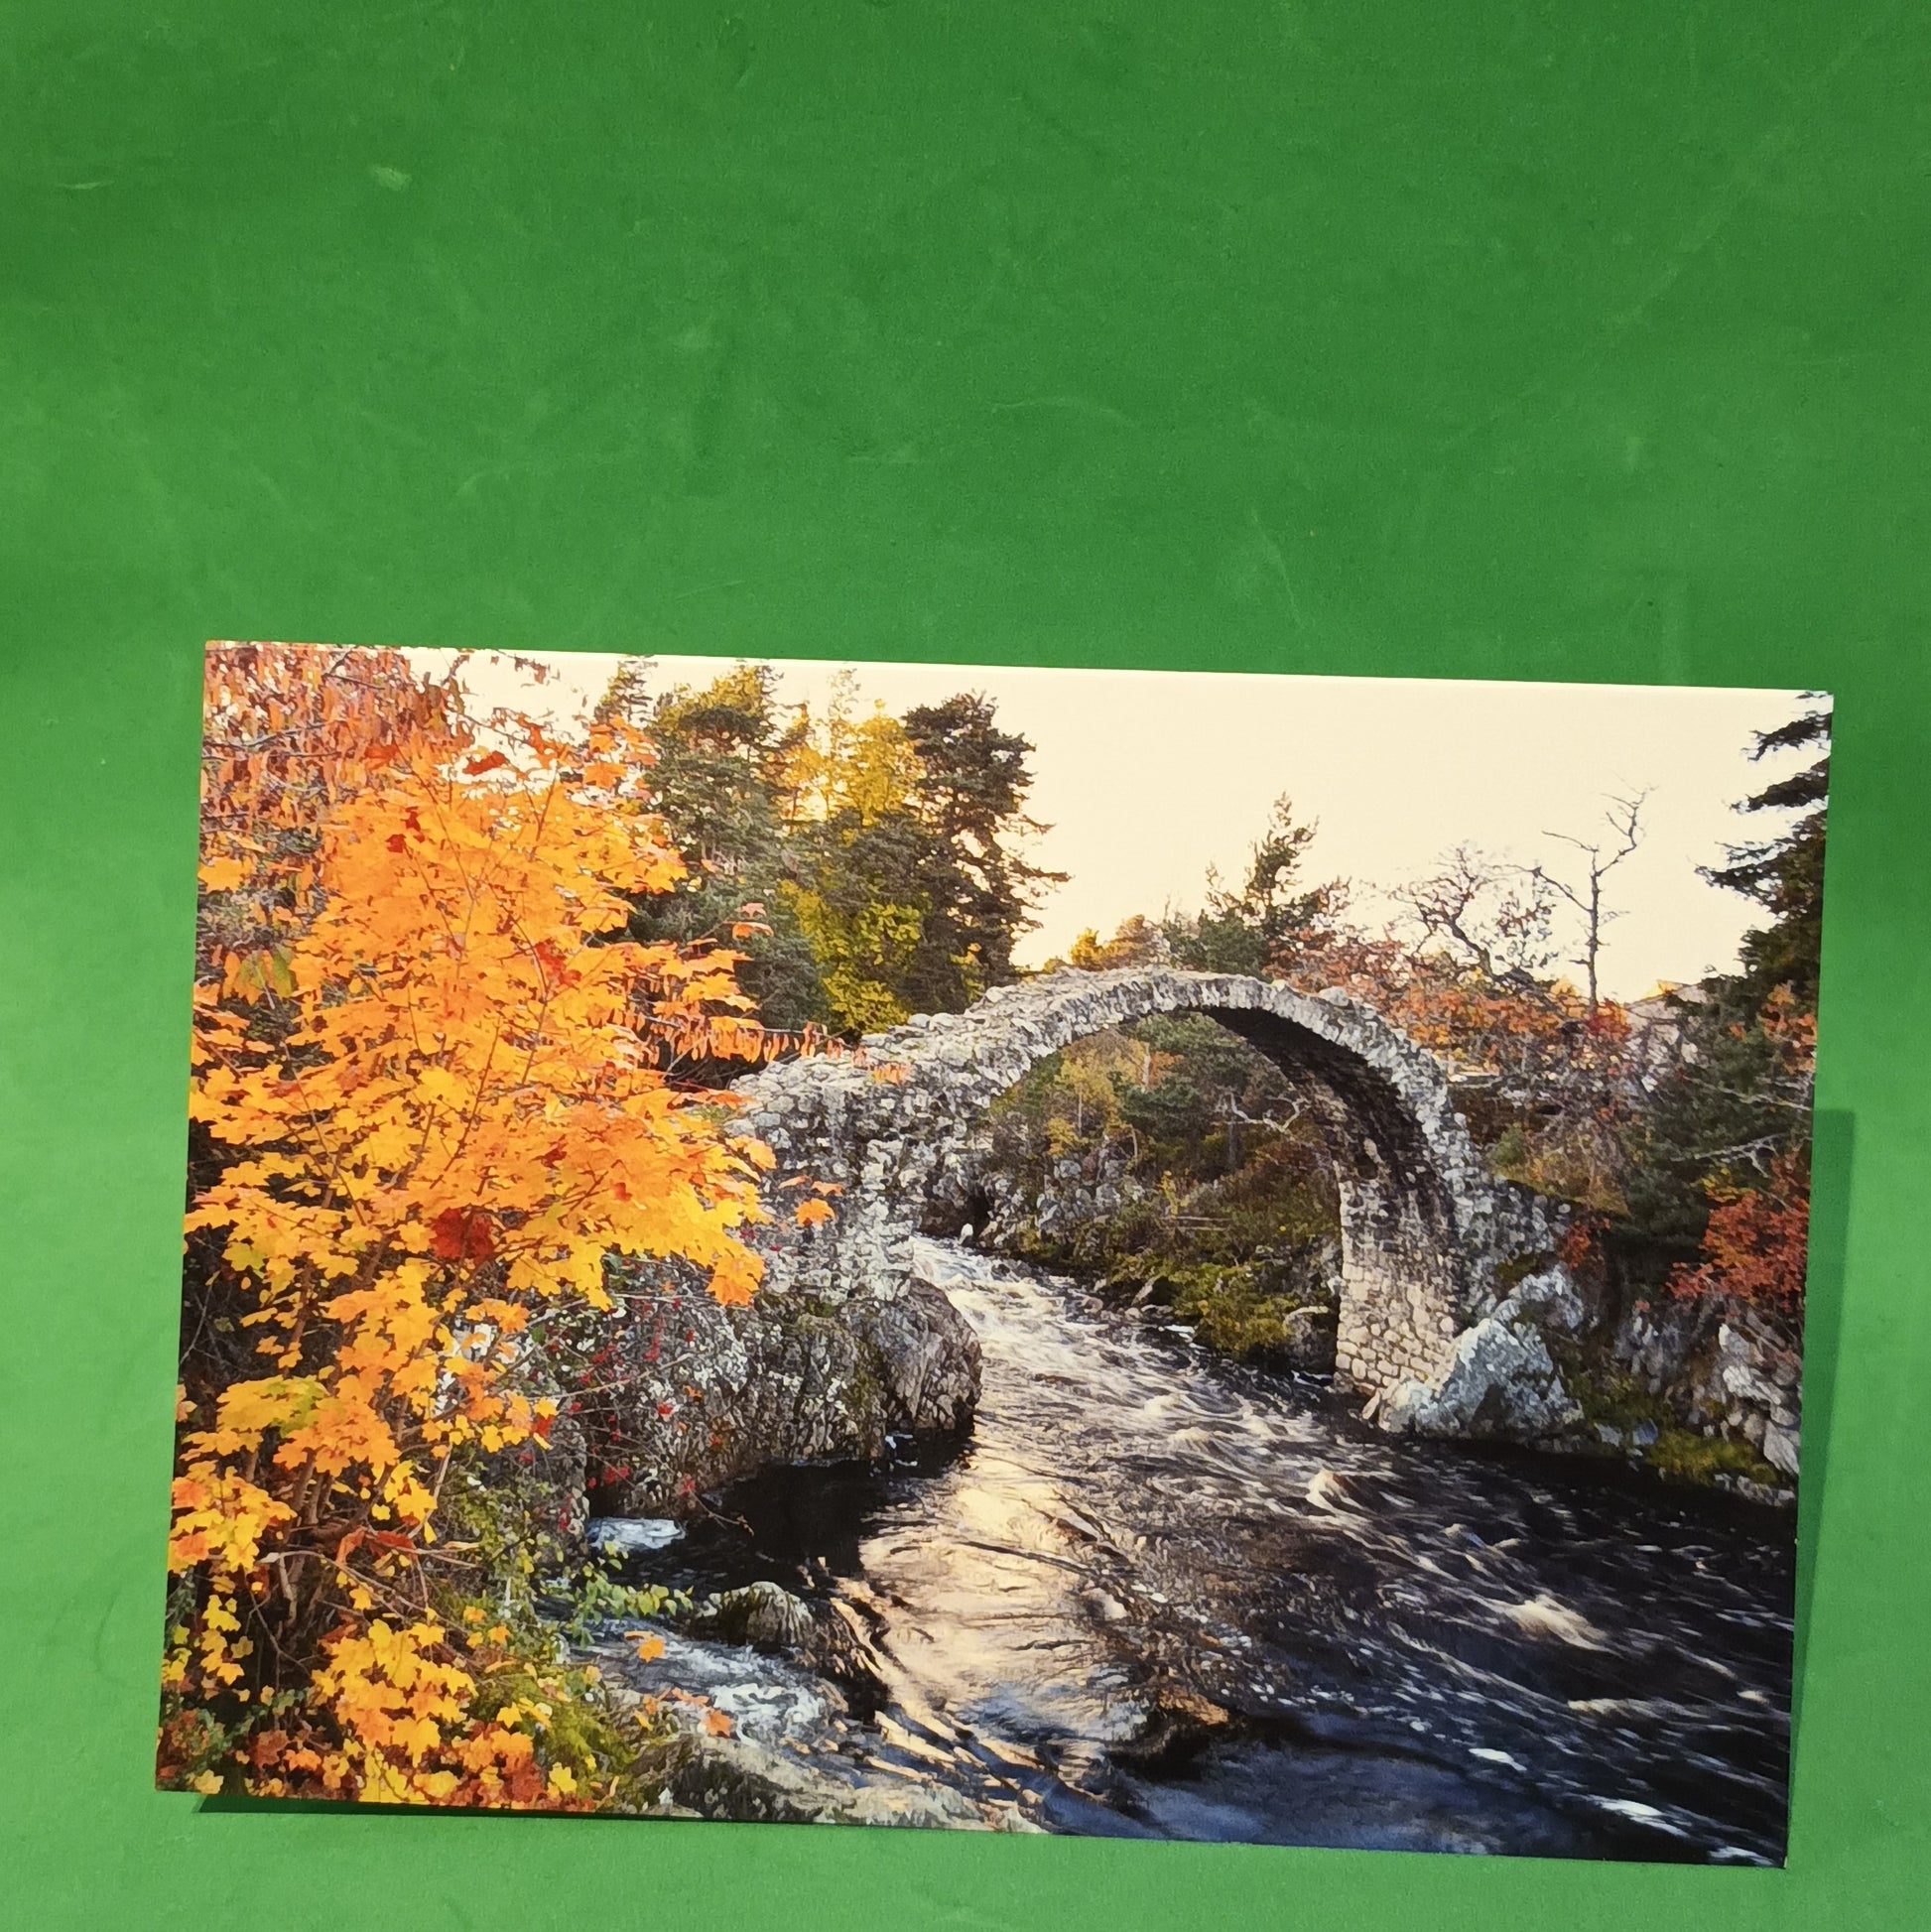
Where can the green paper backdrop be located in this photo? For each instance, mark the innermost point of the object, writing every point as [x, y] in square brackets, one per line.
[1430, 336]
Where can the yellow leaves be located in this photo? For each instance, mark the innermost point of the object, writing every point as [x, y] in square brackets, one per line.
[437, 1082]
[220, 1519]
[648, 1648]
[432, 1064]
[410, 1498]
[735, 1278]
[345, 1432]
[808, 1214]
[393, 1688]
[247, 1411]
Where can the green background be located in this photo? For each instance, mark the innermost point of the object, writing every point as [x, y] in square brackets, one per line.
[1545, 341]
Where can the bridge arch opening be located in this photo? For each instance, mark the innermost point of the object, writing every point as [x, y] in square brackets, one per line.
[1175, 1167]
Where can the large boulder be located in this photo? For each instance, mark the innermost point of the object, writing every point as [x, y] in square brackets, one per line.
[926, 1358]
[763, 1615]
[788, 1379]
[1499, 1381]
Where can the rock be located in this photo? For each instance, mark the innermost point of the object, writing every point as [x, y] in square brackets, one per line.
[763, 1615]
[1739, 1369]
[784, 1380]
[1550, 1300]
[1780, 1448]
[736, 1779]
[1499, 1382]
[753, 1770]
[1310, 1339]
[1742, 1486]
[927, 1359]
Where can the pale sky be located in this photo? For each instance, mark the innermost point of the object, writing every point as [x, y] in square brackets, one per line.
[1145, 778]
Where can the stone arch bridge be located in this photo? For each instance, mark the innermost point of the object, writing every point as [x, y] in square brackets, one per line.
[1424, 1227]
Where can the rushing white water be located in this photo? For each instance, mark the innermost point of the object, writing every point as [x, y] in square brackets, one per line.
[1162, 1596]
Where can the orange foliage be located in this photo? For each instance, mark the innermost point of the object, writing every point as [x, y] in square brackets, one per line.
[1529, 1053]
[1755, 1246]
[426, 1066]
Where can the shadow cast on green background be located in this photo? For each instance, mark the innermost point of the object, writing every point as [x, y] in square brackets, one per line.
[1832, 1143]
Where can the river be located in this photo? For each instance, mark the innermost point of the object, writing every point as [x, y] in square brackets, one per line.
[1152, 1595]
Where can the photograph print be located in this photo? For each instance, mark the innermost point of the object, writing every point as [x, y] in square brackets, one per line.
[1128, 1253]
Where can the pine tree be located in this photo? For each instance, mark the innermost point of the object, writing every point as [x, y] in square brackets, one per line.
[1263, 925]
[977, 893]
[1785, 875]
[719, 748]
[1731, 1128]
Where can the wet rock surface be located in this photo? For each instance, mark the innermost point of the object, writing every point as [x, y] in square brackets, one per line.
[788, 1379]
[748, 1733]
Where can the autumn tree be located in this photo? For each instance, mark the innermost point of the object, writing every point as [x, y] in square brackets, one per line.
[1724, 1173]
[426, 1103]
[852, 855]
[1468, 969]
[1136, 942]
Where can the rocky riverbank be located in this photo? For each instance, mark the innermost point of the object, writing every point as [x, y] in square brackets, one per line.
[1563, 1363]
[681, 1397]
[763, 1709]
[1157, 1596]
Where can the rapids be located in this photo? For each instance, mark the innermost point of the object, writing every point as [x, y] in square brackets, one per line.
[1153, 1595]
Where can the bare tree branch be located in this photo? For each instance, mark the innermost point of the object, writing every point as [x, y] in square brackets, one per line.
[1623, 817]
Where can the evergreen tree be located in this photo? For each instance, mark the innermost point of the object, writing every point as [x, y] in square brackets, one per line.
[1785, 875]
[1735, 1115]
[1263, 925]
[975, 893]
[717, 749]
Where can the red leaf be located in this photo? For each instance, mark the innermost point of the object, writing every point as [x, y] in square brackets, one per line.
[463, 1234]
